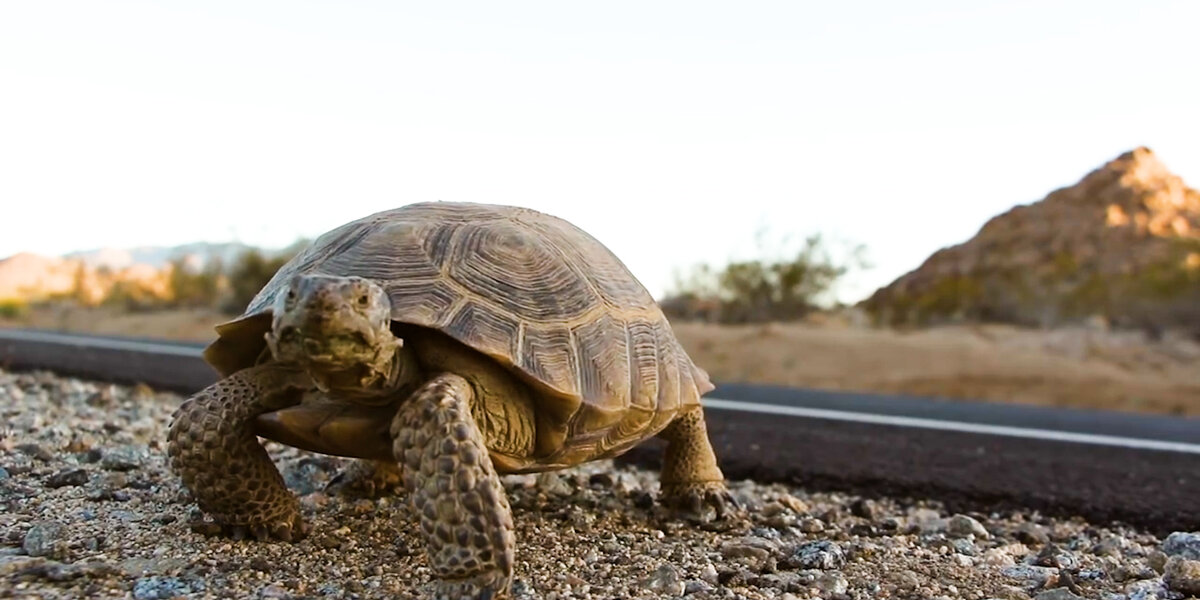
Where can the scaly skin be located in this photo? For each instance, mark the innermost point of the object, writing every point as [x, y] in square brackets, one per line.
[212, 447]
[690, 476]
[465, 516]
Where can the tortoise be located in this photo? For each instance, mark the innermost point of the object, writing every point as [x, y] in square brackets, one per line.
[441, 345]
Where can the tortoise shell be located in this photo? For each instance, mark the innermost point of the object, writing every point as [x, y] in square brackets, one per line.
[527, 289]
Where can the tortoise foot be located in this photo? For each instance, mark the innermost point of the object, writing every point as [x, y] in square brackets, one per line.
[368, 478]
[692, 500]
[490, 585]
[285, 530]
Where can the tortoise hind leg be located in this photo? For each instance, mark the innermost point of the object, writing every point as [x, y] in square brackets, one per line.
[690, 477]
[453, 487]
[213, 448]
[367, 477]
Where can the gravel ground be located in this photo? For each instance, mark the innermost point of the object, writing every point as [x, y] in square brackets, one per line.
[88, 508]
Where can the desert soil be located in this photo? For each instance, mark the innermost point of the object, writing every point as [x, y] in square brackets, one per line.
[1078, 367]
[89, 508]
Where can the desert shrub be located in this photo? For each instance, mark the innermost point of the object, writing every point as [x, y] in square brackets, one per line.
[249, 274]
[131, 296]
[774, 286]
[13, 309]
[194, 288]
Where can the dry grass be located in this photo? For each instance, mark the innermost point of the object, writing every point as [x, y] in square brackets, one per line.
[1077, 368]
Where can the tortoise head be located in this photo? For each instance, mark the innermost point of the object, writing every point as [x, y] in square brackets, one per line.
[338, 328]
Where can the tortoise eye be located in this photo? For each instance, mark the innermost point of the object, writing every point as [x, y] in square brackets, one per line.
[362, 300]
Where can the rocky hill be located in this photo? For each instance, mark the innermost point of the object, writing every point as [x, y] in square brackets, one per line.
[91, 275]
[1122, 246]
[32, 277]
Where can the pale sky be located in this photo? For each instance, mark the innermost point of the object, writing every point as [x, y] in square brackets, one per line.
[669, 130]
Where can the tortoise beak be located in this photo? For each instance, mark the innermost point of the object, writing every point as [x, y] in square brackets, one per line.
[335, 429]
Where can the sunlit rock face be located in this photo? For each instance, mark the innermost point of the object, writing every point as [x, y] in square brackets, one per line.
[1122, 245]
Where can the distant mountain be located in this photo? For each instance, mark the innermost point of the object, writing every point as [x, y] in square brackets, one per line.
[29, 275]
[197, 254]
[1122, 244]
[92, 273]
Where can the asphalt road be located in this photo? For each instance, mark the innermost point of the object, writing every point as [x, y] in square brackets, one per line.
[1104, 466]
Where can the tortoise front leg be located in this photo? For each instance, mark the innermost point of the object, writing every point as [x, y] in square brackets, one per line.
[212, 447]
[453, 487]
[690, 477]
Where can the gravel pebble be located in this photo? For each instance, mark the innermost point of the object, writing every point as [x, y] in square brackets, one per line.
[1031, 533]
[90, 509]
[67, 477]
[962, 526]
[1181, 543]
[122, 458]
[44, 539]
[1057, 594]
[1183, 575]
[817, 555]
[665, 580]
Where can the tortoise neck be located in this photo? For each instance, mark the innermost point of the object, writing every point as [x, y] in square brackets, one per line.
[377, 382]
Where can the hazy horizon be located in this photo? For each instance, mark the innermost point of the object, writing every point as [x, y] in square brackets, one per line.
[670, 131]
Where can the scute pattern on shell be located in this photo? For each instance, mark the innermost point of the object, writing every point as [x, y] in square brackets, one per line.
[527, 289]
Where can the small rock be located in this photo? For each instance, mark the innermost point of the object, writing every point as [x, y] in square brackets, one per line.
[602, 479]
[754, 548]
[811, 525]
[122, 458]
[1052, 555]
[696, 586]
[1183, 575]
[305, 477]
[1185, 544]
[18, 464]
[1031, 533]
[553, 484]
[68, 477]
[817, 555]
[832, 583]
[962, 526]
[1057, 594]
[709, 574]
[104, 397]
[786, 581]
[750, 557]
[1030, 576]
[273, 592]
[3, 474]
[927, 520]
[864, 530]
[157, 587]
[1153, 589]
[36, 451]
[865, 508]
[997, 557]
[1108, 547]
[16, 564]
[1157, 559]
[45, 539]
[794, 504]
[771, 509]
[665, 580]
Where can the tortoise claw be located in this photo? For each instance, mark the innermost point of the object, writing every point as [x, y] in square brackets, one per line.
[284, 531]
[691, 500]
